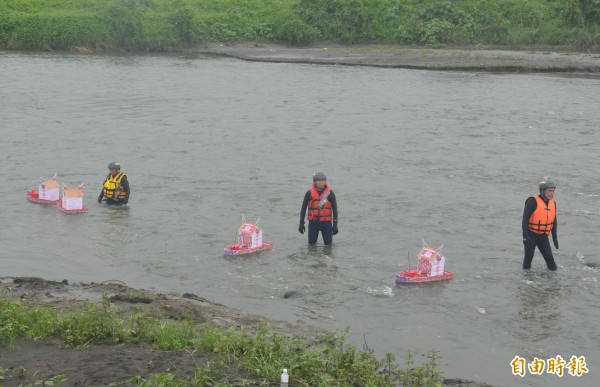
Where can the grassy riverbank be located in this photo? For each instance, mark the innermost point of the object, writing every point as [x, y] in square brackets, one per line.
[243, 351]
[164, 24]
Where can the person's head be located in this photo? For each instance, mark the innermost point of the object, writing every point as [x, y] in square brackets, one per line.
[547, 189]
[114, 168]
[320, 180]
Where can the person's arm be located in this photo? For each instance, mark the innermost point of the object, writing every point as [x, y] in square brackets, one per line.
[301, 227]
[530, 206]
[334, 208]
[304, 206]
[125, 185]
[555, 229]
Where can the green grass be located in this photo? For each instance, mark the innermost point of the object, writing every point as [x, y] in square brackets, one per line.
[146, 24]
[323, 361]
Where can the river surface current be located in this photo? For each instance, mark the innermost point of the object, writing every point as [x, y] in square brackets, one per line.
[448, 157]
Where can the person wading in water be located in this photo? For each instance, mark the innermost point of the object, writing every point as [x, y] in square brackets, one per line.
[322, 211]
[539, 220]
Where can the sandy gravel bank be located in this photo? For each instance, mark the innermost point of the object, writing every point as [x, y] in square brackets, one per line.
[414, 58]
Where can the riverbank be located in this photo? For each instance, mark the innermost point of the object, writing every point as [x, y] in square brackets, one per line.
[101, 364]
[480, 59]
[52, 360]
[463, 59]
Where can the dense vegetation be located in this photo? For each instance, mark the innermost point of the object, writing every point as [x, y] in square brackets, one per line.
[142, 24]
[326, 361]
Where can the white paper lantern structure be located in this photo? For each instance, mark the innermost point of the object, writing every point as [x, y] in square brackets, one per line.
[72, 200]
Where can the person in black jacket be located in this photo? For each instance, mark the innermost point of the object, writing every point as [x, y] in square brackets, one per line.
[116, 186]
[322, 211]
[539, 220]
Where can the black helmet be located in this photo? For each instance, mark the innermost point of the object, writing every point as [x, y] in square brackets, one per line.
[545, 184]
[319, 176]
[115, 165]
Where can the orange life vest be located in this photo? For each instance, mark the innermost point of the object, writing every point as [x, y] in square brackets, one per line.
[323, 214]
[541, 220]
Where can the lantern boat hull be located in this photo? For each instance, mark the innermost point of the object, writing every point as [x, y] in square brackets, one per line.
[33, 197]
[236, 249]
[411, 276]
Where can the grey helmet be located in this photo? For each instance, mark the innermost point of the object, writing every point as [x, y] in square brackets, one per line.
[545, 184]
[319, 176]
[115, 165]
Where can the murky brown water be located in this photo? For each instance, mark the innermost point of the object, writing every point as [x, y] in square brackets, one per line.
[445, 156]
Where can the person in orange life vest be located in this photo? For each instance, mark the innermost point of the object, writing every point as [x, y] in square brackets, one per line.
[539, 220]
[322, 211]
[116, 186]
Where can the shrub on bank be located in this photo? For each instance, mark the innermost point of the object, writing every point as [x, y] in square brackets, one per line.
[140, 24]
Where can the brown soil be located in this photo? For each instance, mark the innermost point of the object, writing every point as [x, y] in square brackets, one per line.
[100, 365]
[465, 59]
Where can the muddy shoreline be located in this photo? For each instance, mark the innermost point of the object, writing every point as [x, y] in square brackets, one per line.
[473, 58]
[31, 361]
[459, 59]
[99, 365]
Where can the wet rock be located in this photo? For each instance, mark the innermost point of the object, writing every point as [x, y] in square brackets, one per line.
[36, 282]
[193, 297]
[131, 299]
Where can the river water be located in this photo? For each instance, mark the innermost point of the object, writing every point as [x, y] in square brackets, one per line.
[448, 157]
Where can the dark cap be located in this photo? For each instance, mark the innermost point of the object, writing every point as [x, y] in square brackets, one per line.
[545, 184]
[319, 176]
